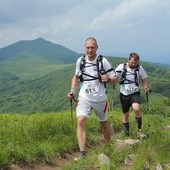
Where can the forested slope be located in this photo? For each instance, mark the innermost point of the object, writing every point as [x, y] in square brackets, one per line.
[48, 93]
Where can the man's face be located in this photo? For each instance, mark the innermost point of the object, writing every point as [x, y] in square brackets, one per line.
[133, 63]
[91, 48]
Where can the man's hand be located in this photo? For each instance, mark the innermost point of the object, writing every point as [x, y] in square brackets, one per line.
[71, 94]
[104, 78]
[147, 89]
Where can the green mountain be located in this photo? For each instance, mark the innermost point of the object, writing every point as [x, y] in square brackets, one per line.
[45, 94]
[40, 48]
[35, 58]
[35, 77]
[48, 93]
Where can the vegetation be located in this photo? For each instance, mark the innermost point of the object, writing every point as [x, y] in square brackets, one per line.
[48, 92]
[38, 48]
[42, 138]
[35, 77]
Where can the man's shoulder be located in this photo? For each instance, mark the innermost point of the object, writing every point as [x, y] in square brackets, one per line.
[81, 58]
[121, 66]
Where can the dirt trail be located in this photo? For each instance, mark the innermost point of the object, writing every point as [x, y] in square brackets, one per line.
[58, 162]
[69, 157]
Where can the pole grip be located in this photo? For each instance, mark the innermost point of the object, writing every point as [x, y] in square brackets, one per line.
[147, 97]
[102, 72]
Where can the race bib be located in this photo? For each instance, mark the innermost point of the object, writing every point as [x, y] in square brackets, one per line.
[131, 88]
[91, 89]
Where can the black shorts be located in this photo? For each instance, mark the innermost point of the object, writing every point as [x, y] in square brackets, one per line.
[126, 101]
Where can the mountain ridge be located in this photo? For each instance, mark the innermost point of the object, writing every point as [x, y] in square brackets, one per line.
[39, 47]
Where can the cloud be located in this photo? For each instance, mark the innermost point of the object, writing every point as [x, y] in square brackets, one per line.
[135, 25]
[119, 25]
[129, 14]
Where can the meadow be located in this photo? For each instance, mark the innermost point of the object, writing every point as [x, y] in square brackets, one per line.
[43, 138]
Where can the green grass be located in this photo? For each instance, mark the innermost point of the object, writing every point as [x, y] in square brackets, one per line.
[152, 151]
[41, 138]
[30, 67]
[29, 139]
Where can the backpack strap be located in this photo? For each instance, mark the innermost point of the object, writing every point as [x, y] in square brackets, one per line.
[99, 62]
[124, 80]
[136, 75]
[82, 62]
[123, 77]
[99, 67]
[82, 67]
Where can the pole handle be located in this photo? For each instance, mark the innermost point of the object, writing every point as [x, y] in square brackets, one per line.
[147, 97]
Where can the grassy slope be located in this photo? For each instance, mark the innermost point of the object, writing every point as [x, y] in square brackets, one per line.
[49, 89]
[31, 67]
[37, 138]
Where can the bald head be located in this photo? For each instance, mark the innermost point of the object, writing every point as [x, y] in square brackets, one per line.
[91, 48]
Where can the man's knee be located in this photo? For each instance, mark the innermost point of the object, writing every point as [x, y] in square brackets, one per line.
[125, 117]
[81, 121]
[136, 108]
[104, 124]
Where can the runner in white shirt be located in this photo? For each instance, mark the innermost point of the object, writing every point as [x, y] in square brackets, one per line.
[130, 76]
[92, 92]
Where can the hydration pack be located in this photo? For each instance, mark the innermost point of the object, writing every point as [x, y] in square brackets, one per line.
[124, 80]
[99, 67]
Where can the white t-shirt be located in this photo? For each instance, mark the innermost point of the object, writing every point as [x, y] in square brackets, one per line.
[130, 88]
[93, 90]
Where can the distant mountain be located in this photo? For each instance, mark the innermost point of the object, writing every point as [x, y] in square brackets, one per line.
[35, 58]
[38, 48]
[48, 93]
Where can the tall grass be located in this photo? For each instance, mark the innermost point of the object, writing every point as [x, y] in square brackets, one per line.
[29, 139]
[149, 153]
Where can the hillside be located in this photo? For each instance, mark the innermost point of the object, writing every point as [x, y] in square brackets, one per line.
[40, 48]
[48, 142]
[48, 93]
[35, 77]
[34, 58]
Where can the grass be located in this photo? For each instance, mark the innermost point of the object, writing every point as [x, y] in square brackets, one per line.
[30, 67]
[41, 138]
[152, 151]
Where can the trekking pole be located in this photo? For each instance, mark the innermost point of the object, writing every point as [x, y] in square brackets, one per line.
[112, 128]
[102, 72]
[147, 101]
[71, 110]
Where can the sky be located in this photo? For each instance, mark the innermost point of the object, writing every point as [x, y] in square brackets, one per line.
[120, 26]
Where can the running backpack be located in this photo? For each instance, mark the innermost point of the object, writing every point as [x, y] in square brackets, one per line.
[99, 70]
[124, 80]
[99, 67]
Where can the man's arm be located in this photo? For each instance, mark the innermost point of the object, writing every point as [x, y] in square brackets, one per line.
[145, 85]
[74, 84]
[113, 80]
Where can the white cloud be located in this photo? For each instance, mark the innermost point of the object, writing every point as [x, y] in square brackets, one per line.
[120, 26]
[128, 14]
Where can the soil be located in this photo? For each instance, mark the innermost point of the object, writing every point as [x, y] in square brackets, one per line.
[69, 157]
[58, 164]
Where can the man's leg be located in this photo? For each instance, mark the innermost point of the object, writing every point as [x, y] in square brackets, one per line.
[106, 131]
[81, 132]
[126, 104]
[138, 119]
[125, 123]
[138, 115]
